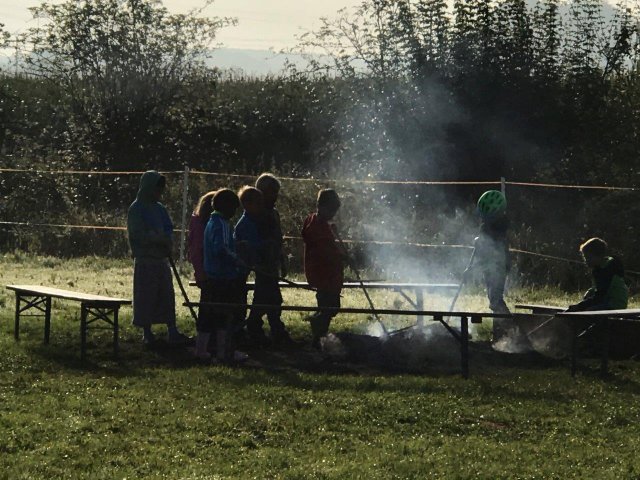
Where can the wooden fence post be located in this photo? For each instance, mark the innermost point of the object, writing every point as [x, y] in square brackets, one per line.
[185, 199]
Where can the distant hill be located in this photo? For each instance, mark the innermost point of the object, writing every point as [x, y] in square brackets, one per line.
[253, 62]
[265, 62]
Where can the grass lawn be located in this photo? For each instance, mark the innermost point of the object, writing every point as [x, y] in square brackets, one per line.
[155, 414]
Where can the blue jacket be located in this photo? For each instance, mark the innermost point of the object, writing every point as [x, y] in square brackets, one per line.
[220, 260]
[249, 242]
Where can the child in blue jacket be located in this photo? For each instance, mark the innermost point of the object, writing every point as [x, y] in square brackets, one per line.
[224, 283]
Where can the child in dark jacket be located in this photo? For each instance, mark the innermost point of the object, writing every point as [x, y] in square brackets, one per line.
[271, 266]
[224, 283]
[249, 242]
[609, 291]
[323, 262]
[150, 234]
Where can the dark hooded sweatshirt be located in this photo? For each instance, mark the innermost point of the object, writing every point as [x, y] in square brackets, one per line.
[149, 227]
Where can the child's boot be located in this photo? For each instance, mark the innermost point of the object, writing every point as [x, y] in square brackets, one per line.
[202, 344]
[221, 345]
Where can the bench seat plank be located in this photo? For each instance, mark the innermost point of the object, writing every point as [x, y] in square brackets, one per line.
[627, 314]
[66, 294]
[371, 285]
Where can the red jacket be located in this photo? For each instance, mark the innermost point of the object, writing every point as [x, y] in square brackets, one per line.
[322, 255]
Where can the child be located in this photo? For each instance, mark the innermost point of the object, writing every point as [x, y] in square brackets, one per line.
[609, 291]
[223, 285]
[249, 243]
[197, 225]
[270, 268]
[323, 261]
[150, 233]
[492, 254]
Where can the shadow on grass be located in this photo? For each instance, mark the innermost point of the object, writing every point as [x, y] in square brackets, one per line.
[305, 368]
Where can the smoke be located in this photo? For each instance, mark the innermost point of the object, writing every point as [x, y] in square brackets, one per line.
[401, 131]
[536, 333]
[551, 340]
[513, 341]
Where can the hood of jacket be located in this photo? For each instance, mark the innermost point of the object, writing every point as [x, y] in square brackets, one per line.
[148, 183]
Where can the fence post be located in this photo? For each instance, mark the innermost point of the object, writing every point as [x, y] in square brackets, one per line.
[185, 199]
[503, 186]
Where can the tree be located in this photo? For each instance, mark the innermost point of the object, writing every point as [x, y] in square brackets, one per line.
[121, 64]
[433, 26]
[4, 36]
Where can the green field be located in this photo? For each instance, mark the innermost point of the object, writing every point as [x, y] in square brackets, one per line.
[156, 414]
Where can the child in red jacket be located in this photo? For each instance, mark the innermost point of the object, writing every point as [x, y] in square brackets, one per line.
[323, 261]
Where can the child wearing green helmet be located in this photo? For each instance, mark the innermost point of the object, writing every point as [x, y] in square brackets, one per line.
[492, 254]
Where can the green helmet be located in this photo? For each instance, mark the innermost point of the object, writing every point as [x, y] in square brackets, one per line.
[492, 202]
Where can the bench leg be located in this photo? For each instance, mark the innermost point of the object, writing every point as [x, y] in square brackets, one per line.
[464, 346]
[574, 348]
[116, 346]
[83, 331]
[16, 325]
[47, 320]
[604, 362]
[420, 307]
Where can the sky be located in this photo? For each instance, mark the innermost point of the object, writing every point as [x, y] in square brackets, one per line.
[263, 24]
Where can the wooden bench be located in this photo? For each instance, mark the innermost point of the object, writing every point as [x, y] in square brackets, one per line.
[604, 319]
[589, 319]
[404, 289]
[93, 308]
[462, 336]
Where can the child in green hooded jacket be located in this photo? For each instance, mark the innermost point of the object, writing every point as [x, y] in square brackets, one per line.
[609, 291]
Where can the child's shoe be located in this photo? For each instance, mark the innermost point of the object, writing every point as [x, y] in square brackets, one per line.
[178, 338]
[148, 339]
[239, 357]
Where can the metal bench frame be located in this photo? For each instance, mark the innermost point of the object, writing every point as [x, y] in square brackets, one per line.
[578, 320]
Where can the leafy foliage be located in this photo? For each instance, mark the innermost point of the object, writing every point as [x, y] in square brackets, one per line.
[120, 66]
[404, 90]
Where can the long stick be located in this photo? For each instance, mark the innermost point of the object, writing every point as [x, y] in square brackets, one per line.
[357, 274]
[184, 292]
[463, 281]
[543, 324]
[282, 279]
[258, 270]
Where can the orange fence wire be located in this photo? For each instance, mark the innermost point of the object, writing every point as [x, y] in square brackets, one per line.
[332, 180]
[325, 180]
[289, 237]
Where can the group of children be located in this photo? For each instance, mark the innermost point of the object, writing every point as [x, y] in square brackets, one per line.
[223, 256]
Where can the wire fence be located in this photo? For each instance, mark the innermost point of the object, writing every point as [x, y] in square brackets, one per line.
[501, 182]
[186, 173]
